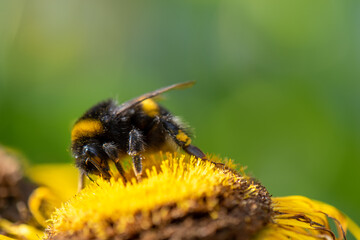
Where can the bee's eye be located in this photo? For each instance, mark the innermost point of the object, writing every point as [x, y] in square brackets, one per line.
[85, 150]
[89, 151]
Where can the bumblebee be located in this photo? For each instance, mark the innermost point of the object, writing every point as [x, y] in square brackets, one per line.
[109, 132]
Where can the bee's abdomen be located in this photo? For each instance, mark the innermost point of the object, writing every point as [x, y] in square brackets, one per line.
[150, 108]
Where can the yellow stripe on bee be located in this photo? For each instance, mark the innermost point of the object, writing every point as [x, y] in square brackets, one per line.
[182, 137]
[86, 128]
[150, 107]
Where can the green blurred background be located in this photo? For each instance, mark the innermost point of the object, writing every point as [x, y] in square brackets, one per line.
[278, 82]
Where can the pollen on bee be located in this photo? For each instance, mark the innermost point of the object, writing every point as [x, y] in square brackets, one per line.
[86, 128]
[182, 137]
[150, 107]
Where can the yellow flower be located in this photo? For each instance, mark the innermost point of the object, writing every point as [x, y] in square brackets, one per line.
[199, 197]
[179, 197]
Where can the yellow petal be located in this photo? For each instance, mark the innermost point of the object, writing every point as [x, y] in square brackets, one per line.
[2, 237]
[298, 217]
[62, 179]
[22, 231]
[42, 202]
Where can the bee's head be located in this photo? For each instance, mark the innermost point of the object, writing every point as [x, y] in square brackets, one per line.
[91, 158]
[87, 146]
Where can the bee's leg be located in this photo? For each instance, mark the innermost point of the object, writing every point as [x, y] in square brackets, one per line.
[195, 151]
[180, 137]
[136, 146]
[137, 164]
[112, 151]
[120, 169]
[81, 183]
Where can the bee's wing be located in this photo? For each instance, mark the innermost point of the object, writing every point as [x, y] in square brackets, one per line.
[131, 103]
